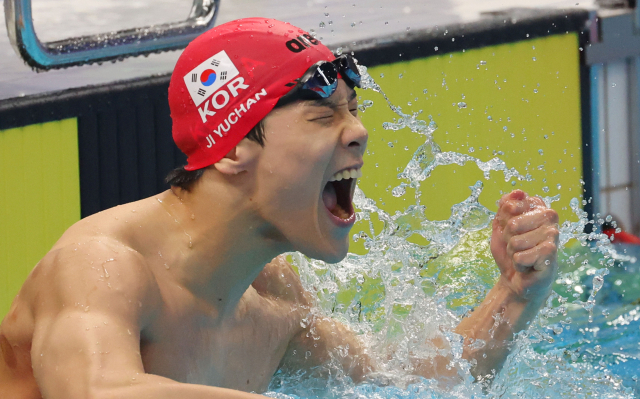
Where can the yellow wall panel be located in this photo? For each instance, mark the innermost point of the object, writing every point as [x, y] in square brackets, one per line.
[40, 197]
[522, 103]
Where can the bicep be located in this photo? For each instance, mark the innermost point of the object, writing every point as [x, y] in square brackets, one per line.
[325, 340]
[87, 324]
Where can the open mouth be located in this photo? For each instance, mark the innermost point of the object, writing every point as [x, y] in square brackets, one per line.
[338, 193]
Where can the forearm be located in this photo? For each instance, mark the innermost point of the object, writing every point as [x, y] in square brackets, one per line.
[85, 355]
[155, 387]
[500, 316]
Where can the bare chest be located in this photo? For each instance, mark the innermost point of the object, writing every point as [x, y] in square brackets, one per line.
[241, 352]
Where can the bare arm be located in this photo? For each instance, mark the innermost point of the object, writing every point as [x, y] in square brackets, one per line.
[86, 341]
[321, 339]
[496, 321]
[524, 246]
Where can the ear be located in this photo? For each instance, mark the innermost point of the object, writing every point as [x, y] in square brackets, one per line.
[240, 159]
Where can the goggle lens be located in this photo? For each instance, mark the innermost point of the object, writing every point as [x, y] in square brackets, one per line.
[349, 68]
[324, 80]
[321, 80]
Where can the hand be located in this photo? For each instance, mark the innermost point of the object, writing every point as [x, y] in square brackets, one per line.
[524, 245]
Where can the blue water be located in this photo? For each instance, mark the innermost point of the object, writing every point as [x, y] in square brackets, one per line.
[562, 355]
[611, 341]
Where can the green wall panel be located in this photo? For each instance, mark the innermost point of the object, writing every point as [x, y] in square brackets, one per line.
[40, 197]
[523, 103]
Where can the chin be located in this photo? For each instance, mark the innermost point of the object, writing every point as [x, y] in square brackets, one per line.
[334, 254]
[336, 257]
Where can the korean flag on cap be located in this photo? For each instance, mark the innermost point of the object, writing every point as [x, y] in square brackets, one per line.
[208, 77]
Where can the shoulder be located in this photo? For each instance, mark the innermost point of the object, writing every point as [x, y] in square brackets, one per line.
[99, 273]
[278, 280]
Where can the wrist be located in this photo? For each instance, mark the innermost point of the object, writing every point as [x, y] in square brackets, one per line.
[528, 298]
[520, 309]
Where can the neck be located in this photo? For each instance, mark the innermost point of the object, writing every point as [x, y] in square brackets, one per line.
[221, 245]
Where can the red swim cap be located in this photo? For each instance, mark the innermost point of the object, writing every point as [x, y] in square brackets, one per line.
[229, 78]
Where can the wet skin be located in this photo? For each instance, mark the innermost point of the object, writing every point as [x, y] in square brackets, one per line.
[169, 297]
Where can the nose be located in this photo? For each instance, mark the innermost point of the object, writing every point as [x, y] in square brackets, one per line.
[355, 135]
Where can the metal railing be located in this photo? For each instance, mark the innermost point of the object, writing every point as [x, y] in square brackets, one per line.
[104, 46]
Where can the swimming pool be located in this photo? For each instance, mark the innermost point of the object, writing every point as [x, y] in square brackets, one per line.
[563, 354]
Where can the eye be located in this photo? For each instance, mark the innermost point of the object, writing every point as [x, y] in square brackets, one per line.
[353, 108]
[322, 118]
[321, 114]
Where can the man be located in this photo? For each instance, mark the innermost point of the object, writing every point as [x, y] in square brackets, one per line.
[169, 297]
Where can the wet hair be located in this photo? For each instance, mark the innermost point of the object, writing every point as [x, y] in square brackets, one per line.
[185, 179]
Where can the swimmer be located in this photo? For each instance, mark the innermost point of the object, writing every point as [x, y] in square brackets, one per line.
[185, 294]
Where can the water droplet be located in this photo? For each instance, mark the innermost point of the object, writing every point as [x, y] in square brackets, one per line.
[399, 191]
[365, 104]
[321, 25]
[462, 105]
[483, 62]
[534, 58]
[540, 152]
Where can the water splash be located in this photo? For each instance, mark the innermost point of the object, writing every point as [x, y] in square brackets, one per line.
[419, 277]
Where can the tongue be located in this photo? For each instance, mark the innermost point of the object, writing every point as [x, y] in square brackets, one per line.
[329, 197]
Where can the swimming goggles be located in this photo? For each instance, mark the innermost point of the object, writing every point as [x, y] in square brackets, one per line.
[321, 79]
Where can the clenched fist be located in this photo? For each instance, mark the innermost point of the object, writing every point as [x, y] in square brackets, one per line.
[524, 245]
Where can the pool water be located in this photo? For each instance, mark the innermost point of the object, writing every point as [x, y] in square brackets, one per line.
[584, 343]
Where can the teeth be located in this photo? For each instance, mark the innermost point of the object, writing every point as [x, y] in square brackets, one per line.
[347, 174]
